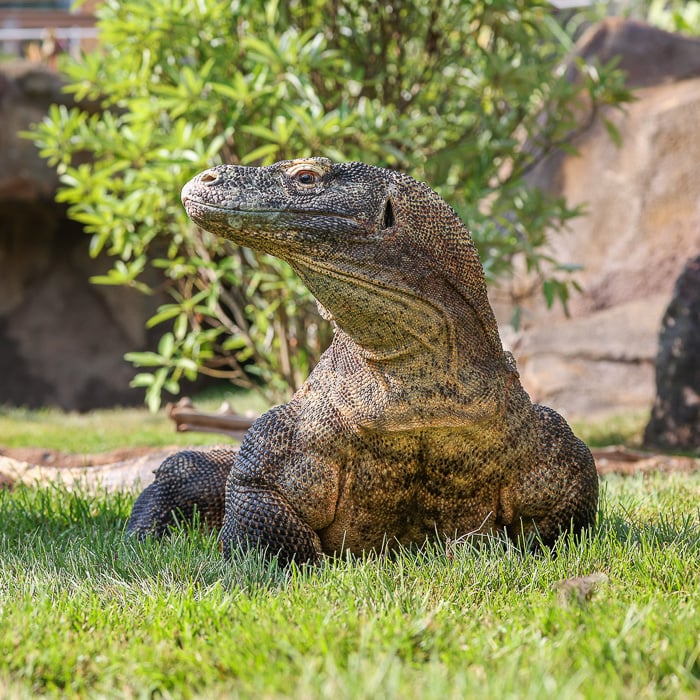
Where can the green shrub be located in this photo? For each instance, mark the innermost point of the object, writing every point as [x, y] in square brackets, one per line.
[446, 90]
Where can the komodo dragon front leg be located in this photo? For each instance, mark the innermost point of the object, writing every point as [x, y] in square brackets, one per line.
[278, 493]
[262, 508]
[562, 490]
[187, 482]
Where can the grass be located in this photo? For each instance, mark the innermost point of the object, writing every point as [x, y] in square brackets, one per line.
[624, 429]
[85, 612]
[102, 430]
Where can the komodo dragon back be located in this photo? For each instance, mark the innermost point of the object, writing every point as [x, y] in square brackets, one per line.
[414, 424]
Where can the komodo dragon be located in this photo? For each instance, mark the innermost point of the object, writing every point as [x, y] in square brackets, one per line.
[414, 424]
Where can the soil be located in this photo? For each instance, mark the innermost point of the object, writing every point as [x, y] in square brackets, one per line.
[609, 460]
[53, 458]
[621, 460]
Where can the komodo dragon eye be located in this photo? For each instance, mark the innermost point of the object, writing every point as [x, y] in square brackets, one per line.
[306, 177]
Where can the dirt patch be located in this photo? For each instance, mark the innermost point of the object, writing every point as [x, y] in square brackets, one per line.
[67, 460]
[609, 460]
[621, 460]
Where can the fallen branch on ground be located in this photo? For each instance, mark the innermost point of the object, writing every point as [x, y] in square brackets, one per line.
[226, 421]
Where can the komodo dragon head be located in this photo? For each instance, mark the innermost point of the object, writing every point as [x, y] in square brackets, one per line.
[387, 259]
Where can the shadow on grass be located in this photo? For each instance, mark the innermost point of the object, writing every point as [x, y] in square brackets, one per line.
[80, 537]
[664, 530]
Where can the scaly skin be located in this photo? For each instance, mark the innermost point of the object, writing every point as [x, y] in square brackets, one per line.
[414, 424]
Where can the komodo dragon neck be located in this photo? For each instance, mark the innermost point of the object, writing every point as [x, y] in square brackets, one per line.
[390, 263]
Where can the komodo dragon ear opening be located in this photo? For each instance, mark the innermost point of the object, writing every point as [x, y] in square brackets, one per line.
[388, 220]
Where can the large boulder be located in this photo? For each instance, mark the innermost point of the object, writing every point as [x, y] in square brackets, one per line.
[26, 92]
[649, 56]
[62, 339]
[675, 418]
[593, 364]
[643, 223]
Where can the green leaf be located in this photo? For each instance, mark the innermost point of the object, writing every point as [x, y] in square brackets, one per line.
[613, 132]
[142, 380]
[166, 346]
[144, 359]
[165, 313]
[262, 154]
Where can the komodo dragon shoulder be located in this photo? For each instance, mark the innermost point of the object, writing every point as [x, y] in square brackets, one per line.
[414, 423]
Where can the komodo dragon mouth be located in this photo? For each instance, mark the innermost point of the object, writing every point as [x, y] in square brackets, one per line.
[414, 424]
[188, 201]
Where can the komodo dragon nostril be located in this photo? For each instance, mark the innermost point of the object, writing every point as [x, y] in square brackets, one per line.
[209, 177]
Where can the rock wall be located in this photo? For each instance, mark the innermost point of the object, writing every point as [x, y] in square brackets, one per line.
[62, 339]
[26, 92]
[643, 224]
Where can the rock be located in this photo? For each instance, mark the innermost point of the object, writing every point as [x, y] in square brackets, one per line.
[675, 417]
[571, 364]
[649, 56]
[621, 460]
[118, 476]
[26, 92]
[119, 470]
[643, 223]
[643, 199]
[62, 339]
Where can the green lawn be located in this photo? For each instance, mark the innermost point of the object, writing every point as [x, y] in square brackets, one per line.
[624, 429]
[99, 431]
[85, 612]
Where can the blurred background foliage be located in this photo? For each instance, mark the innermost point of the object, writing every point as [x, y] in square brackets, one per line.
[465, 96]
